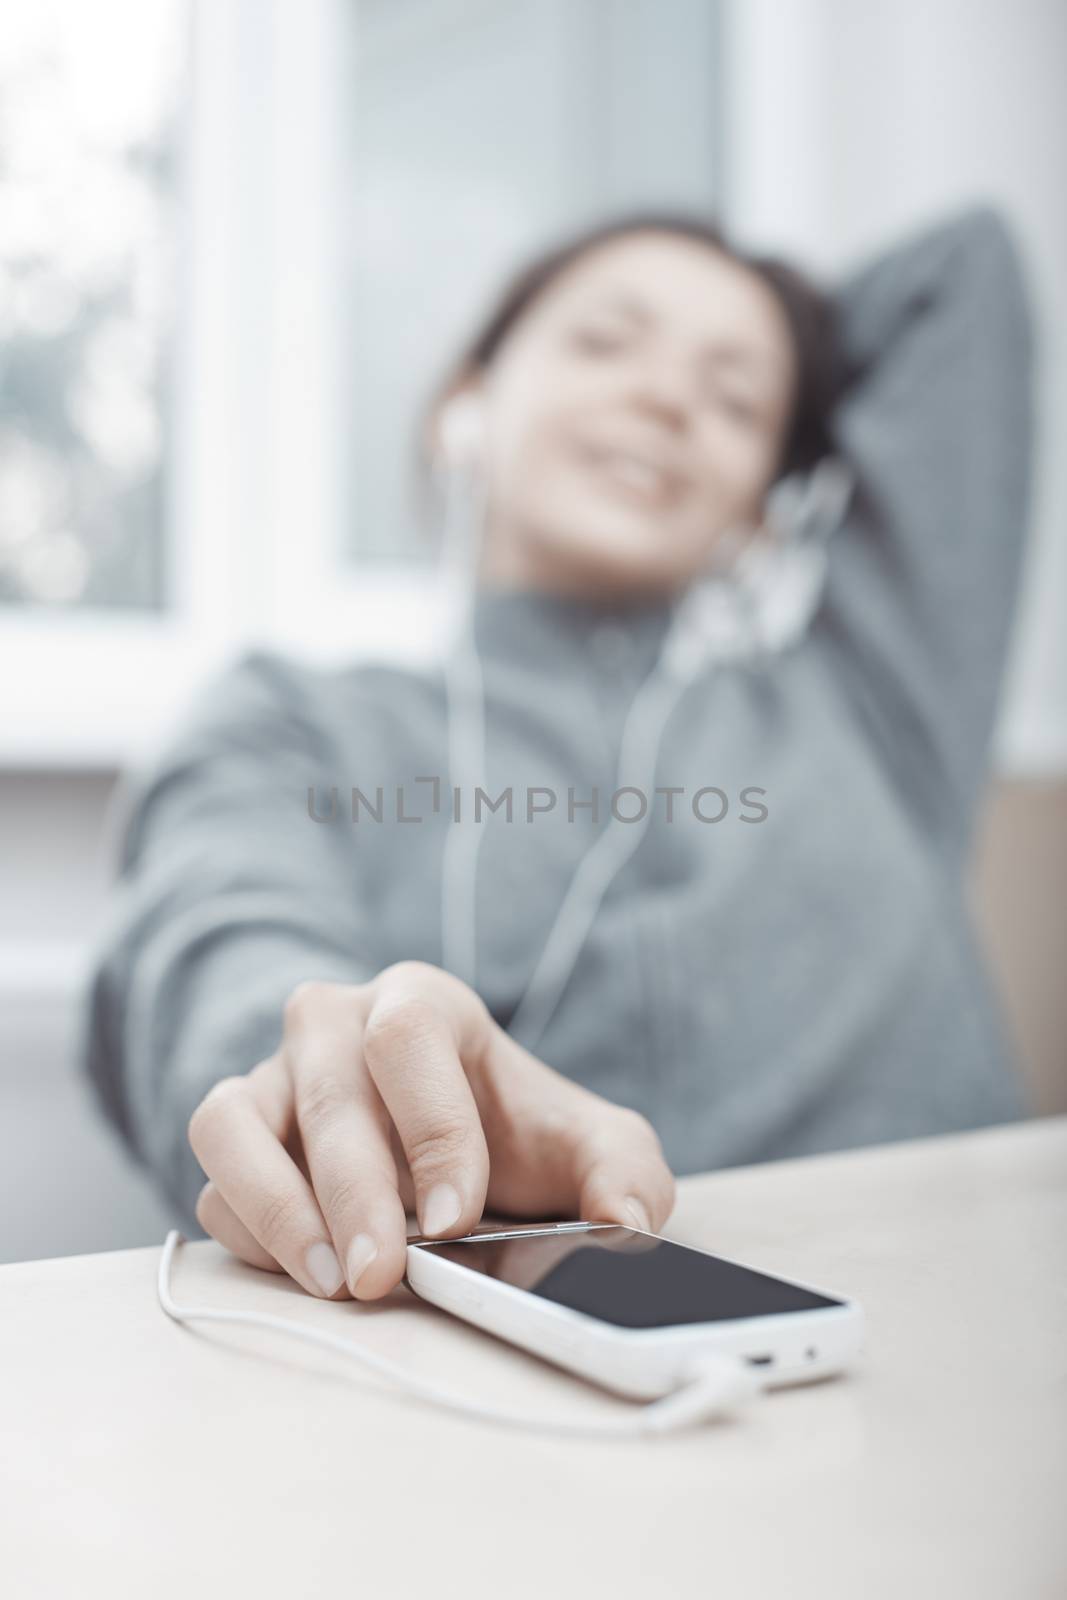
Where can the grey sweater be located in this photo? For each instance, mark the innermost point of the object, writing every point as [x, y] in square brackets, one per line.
[757, 990]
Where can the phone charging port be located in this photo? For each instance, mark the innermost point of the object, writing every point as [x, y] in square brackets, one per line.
[760, 1361]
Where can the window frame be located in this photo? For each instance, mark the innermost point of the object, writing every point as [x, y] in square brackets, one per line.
[254, 545]
[257, 362]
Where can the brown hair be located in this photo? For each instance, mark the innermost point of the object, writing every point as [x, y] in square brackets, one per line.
[808, 311]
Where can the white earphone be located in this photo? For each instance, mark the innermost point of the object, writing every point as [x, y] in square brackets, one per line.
[461, 432]
[784, 574]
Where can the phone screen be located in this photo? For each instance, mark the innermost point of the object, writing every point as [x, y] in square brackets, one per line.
[630, 1279]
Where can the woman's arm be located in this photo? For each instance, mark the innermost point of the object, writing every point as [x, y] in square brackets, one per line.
[936, 421]
[229, 897]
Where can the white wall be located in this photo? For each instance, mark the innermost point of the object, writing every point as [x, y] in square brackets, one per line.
[848, 122]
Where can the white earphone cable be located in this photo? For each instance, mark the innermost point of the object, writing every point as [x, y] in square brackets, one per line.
[618, 840]
[811, 510]
[682, 656]
[717, 1385]
[465, 700]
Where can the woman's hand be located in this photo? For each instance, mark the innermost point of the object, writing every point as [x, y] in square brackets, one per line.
[398, 1094]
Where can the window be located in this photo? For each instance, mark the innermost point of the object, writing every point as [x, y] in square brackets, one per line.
[90, 100]
[248, 236]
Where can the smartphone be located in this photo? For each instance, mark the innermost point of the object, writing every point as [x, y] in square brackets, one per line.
[631, 1311]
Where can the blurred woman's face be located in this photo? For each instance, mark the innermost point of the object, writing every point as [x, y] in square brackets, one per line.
[634, 415]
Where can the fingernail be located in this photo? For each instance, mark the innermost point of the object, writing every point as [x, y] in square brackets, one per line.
[361, 1252]
[639, 1214]
[324, 1268]
[440, 1209]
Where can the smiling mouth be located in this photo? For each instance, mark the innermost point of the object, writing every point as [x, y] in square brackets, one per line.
[634, 476]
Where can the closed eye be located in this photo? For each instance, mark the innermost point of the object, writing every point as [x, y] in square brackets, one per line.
[737, 403]
[740, 406]
[600, 341]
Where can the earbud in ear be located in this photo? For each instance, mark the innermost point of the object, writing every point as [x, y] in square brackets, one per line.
[461, 430]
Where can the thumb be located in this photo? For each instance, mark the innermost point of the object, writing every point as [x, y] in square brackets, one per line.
[621, 1175]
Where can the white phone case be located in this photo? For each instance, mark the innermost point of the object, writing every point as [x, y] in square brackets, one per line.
[643, 1363]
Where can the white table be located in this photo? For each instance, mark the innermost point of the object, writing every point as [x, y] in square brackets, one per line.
[143, 1459]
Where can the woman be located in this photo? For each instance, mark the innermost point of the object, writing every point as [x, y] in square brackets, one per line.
[269, 1006]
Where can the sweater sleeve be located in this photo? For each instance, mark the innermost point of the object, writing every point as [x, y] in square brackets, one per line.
[935, 419]
[228, 895]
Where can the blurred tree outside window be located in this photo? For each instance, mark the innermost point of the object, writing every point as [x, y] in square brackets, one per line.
[91, 99]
